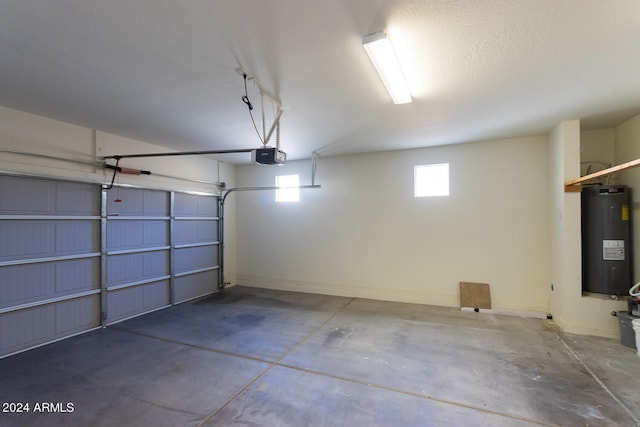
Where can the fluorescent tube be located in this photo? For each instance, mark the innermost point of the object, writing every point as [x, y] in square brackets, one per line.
[386, 63]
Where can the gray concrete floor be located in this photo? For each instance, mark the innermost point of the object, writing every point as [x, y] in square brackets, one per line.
[254, 357]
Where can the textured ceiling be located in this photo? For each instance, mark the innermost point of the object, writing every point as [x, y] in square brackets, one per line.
[164, 71]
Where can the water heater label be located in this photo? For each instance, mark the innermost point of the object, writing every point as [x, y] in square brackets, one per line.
[613, 250]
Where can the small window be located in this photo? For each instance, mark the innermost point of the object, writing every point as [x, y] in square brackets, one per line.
[431, 180]
[288, 190]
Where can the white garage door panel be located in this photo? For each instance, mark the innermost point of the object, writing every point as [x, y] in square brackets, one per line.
[26, 328]
[196, 231]
[137, 234]
[24, 196]
[74, 237]
[137, 202]
[77, 199]
[48, 280]
[24, 239]
[77, 275]
[195, 285]
[77, 315]
[195, 205]
[137, 266]
[14, 279]
[129, 302]
[196, 258]
[37, 325]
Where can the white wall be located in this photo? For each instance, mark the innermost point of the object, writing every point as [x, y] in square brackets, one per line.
[28, 133]
[23, 132]
[627, 149]
[364, 234]
[572, 311]
[597, 146]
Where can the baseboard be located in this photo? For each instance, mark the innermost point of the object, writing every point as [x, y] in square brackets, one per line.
[351, 291]
[519, 313]
[587, 329]
[395, 295]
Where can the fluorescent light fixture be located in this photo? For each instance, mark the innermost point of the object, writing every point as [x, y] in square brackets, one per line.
[378, 46]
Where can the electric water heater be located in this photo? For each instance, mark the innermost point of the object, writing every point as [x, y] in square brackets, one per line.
[606, 233]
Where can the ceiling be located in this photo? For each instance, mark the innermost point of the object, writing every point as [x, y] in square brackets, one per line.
[165, 71]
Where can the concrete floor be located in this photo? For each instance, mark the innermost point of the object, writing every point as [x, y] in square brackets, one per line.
[254, 357]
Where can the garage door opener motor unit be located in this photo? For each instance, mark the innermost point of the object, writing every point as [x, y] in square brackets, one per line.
[269, 156]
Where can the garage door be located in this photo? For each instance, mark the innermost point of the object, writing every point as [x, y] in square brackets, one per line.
[196, 246]
[76, 256]
[49, 261]
[138, 243]
[161, 249]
